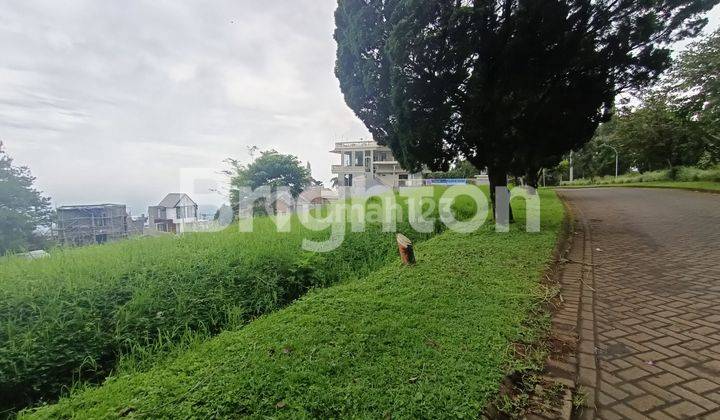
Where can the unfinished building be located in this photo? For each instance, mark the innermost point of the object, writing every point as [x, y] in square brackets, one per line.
[91, 224]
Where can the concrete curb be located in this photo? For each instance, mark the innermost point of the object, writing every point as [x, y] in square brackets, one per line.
[563, 366]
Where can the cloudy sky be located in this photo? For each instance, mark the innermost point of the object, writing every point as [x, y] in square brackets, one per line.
[107, 101]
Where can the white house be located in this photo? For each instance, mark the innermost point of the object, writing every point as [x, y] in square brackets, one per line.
[173, 214]
[365, 164]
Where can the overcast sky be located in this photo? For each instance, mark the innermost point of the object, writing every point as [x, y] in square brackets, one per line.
[107, 101]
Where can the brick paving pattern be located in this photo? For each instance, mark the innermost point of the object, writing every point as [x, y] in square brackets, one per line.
[645, 266]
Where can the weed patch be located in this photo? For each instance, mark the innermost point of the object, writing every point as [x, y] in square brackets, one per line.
[432, 340]
[68, 319]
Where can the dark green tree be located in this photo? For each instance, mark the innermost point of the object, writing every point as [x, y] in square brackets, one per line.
[272, 169]
[694, 87]
[509, 85]
[655, 135]
[658, 135]
[23, 209]
[595, 158]
[460, 169]
[694, 81]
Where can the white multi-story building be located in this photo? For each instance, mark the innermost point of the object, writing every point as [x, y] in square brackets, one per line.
[365, 164]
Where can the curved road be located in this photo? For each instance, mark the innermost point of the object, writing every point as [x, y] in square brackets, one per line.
[650, 309]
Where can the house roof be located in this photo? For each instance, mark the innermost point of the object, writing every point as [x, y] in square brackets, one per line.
[171, 200]
[346, 146]
[90, 206]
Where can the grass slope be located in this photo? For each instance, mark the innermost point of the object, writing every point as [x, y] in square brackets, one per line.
[432, 340]
[71, 317]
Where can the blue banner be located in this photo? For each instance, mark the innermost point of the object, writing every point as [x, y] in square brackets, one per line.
[447, 181]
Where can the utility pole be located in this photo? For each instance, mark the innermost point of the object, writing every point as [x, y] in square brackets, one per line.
[571, 166]
[617, 166]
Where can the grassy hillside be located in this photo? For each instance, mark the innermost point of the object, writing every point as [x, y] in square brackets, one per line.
[70, 317]
[432, 340]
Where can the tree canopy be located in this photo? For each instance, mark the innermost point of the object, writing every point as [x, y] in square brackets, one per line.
[677, 123]
[460, 169]
[510, 85]
[655, 135]
[694, 88]
[22, 208]
[694, 82]
[272, 169]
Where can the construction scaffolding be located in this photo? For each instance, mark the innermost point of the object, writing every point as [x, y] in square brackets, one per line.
[91, 224]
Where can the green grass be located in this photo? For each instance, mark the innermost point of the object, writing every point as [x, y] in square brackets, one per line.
[684, 177]
[71, 317]
[694, 186]
[431, 340]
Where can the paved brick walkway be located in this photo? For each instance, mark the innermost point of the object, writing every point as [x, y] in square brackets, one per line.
[645, 266]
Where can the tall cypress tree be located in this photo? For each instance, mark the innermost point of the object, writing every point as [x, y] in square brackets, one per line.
[510, 85]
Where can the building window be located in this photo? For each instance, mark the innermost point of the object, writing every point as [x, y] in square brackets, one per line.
[381, 156]
[359, 158]
[99, 219]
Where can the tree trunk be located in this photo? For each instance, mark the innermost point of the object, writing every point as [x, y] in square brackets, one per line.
[533, 179]
[497, 178]
[405, 246]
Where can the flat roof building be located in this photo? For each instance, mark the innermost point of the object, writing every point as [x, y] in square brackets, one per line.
[364, 164]
[91, 224]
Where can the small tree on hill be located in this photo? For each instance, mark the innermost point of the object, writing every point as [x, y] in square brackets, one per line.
[272, 169]
[23, 209]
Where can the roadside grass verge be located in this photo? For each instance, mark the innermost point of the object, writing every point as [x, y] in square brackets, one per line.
[431, 340]
[694, 186]
[68, 319]
[685, 177]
